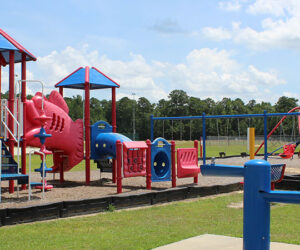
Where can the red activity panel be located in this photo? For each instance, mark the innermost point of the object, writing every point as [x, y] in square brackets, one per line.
[187, 163]
[134, 158]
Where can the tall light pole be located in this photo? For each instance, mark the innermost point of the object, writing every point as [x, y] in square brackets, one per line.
[133, 116]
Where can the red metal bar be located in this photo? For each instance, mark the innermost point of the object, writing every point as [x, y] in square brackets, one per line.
[113, 110]
[114, 171]
[119, 166]
[87, 133]
[148, 166]
[23, 98]
[11, 108]
[61, 91]
[0, 82]
[173, 163]
[61, 170]
[196, 146]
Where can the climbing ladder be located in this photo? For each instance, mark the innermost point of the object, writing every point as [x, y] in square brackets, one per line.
[9, 167]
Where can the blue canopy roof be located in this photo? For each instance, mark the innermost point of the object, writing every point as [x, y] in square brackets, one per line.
[93, 76]
[8, 44]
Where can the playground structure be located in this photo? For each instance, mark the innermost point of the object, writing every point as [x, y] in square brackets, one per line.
[73, 141]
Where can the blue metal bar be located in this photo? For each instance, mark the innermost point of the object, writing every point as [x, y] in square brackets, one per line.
[204, 138]
[225, 116]
[282, 196]
[222, 170]
[265, 135]
[151, 128]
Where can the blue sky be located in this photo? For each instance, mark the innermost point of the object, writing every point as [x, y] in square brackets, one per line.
[238, 48]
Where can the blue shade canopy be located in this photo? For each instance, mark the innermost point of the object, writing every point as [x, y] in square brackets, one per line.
[8, 44]
[93, 76]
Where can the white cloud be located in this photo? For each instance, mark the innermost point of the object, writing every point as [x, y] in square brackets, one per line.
[204, 73]
[230, 5]
[280, 29]
[135, 75]
[217, 34]
[276, 8]
[213, 73]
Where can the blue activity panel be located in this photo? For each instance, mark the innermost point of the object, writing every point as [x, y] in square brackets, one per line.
[160, 160]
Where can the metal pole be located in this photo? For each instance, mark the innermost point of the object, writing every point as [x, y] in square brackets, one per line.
[151, 128]
[0, 166]
[133, 116]
[265, 135]
[204, 137]
[23, 97]
[87, 132]
[252, 143]
[148, 166]
[11, 108]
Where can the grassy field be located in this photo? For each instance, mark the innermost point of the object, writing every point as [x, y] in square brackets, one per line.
[212, 150]
[147, 228]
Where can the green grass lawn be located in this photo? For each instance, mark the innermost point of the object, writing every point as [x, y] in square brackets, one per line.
[147, 228]
[211, 151]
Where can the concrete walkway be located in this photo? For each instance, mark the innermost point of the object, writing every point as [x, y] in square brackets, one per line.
[216, 242]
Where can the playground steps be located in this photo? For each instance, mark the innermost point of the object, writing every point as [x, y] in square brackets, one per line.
[9, 167]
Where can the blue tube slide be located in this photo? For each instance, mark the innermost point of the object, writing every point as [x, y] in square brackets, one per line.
[103, 141]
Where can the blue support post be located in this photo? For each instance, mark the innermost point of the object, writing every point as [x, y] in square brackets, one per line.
[204, 137]
[257, 198]
[151, 128]
[256, 208]
[265, 135]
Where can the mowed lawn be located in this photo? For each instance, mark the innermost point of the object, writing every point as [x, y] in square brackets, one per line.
[211, 151]
[149, 227]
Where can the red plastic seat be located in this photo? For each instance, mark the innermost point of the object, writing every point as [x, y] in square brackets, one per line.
[288, 151]
[187, 162]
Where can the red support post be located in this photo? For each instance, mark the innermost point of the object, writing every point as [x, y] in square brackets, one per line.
[113, 110]
[196, 146]
[87, 133]
[114, 171]
[148, 166]
[23, 98]
[0, 82]
[11, 108]
[61, 91]
[173, 151]
[61, 170]
[119, 166]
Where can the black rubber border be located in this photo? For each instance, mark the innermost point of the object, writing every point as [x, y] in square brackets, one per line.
[12, 216]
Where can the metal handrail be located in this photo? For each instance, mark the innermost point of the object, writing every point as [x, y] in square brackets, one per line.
[11, 133]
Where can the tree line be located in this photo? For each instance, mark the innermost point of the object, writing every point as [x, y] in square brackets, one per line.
[179, 103]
